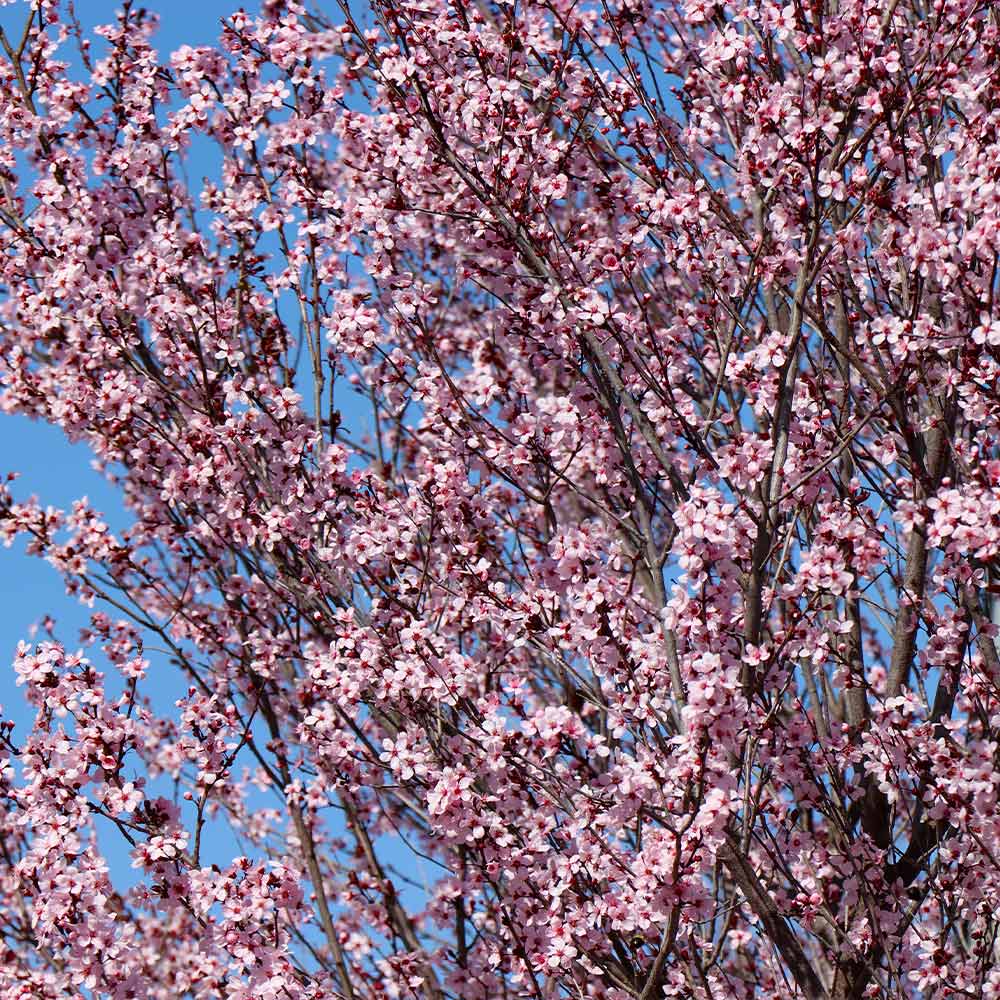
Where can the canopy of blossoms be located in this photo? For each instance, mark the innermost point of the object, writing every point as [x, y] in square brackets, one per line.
[561, 443]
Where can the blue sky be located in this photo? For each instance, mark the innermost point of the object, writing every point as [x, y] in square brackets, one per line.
[57, 473]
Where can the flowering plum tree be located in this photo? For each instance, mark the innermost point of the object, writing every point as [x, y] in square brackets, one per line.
[648, 602]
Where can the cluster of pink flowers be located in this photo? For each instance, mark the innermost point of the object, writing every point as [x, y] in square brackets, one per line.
[560, 443]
